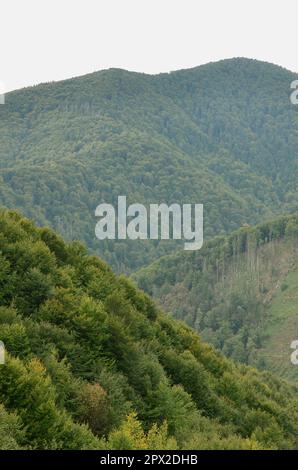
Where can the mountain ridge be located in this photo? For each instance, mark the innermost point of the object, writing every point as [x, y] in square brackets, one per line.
[222, 134]
[157, 74]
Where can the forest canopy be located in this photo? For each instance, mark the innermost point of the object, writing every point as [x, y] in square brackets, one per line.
[223, 135]
[93, 363]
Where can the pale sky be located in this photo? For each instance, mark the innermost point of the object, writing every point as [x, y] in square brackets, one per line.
[46, 40]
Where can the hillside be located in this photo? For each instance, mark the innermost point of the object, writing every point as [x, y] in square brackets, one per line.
[223, 134]
[240, 292]
[92, 363]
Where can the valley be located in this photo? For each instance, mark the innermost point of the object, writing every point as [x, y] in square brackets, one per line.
[240, 293]
[139, 344]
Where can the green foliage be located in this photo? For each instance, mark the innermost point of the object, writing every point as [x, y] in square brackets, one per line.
[95, 364]
[223, 134]
[131, 436]
[93, 407]
[228, 289]
[11, 433]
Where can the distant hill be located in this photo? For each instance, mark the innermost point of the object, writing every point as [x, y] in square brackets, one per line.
[92, 363]
[240, 292]
[223, 134]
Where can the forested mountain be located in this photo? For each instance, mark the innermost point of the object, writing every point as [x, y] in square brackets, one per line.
[223, 134]
[92, 363]
[240, 292]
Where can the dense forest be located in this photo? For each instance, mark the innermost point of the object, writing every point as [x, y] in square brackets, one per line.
[93, 363]
[240, 292]
[223, 134]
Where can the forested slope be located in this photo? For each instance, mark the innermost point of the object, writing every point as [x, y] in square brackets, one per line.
[240, 292]
[223, 134]
[91, 362]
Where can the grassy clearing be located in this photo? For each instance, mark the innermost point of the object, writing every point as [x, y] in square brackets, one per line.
[282, 328]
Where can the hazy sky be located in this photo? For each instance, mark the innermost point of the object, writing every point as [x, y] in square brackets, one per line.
[45, 40]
